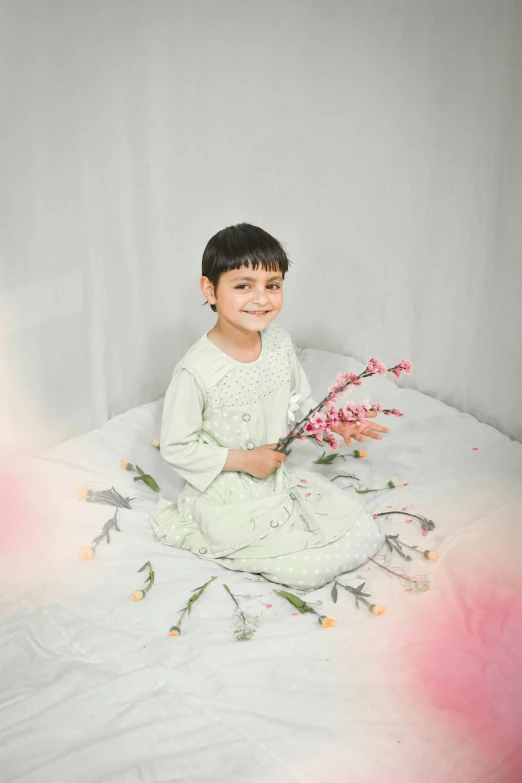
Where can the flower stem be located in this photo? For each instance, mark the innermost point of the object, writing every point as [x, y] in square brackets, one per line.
[150, 577]
[233, 597]
[390, 570]
[192, 600]
[426, 524]
[365, 491]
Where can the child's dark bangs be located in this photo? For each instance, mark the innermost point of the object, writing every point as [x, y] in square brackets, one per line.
[272, 264]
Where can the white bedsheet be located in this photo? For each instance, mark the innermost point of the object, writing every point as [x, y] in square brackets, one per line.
[93, 690]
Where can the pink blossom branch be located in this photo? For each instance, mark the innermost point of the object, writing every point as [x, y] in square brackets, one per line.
[375, 366]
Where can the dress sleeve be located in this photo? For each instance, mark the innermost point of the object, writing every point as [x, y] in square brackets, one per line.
[301, 386]
[181, 441]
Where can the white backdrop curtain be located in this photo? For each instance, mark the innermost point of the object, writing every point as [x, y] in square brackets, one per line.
[379, 141]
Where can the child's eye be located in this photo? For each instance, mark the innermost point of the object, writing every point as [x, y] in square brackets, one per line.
[245, 285]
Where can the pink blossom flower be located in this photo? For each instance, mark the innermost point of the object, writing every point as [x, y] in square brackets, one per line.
[474, 448]
[332, 442]
[354, 379]
[377, 366]
[375, 516]
[340, 380]
[304, 481]
[268, 606]
[333, 418]
[396, 412]
[410, 520]
[318, 421]
[295, 614]
[425, 532]
[346, 414]
[404, 366]
[406, 484]
[405, 508]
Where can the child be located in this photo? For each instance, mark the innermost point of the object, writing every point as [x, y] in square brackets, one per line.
[227, 405]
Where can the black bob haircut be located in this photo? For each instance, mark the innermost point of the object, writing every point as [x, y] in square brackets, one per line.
[242, 245]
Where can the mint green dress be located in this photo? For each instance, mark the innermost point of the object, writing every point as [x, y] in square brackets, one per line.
[294, 527]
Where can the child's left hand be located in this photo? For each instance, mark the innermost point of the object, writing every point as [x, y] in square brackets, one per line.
[358, 432]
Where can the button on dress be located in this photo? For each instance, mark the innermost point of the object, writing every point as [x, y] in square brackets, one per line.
[294, 527]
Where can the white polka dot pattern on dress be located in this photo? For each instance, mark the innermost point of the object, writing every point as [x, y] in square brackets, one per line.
[249, 384]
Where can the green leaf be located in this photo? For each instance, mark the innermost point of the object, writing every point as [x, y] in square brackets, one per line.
[301, 606]
[334, 594]
[294, 599]
[152, 483]
[359, 588]
[140, 471]
[149, 481]
[144, 566]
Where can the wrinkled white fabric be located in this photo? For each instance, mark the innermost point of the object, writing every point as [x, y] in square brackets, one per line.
[93, 689]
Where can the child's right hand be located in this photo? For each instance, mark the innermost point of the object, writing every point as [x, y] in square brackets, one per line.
[261, 462]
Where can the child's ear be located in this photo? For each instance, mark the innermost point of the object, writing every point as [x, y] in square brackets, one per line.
[207, 289]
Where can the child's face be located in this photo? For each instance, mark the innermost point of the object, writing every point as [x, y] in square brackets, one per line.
[248, 298]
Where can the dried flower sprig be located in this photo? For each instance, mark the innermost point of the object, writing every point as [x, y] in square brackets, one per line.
[357, 592]
[396, 545]
[111, 497]
[412, 584]
[425, 523]
[317, 425]
[304, 608]
[146, 477]
[88, 552]
[245, 624]
[139, 595]
[198, 592]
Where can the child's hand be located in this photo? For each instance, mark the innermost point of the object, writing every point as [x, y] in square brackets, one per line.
[358, 432]
[261, 462]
